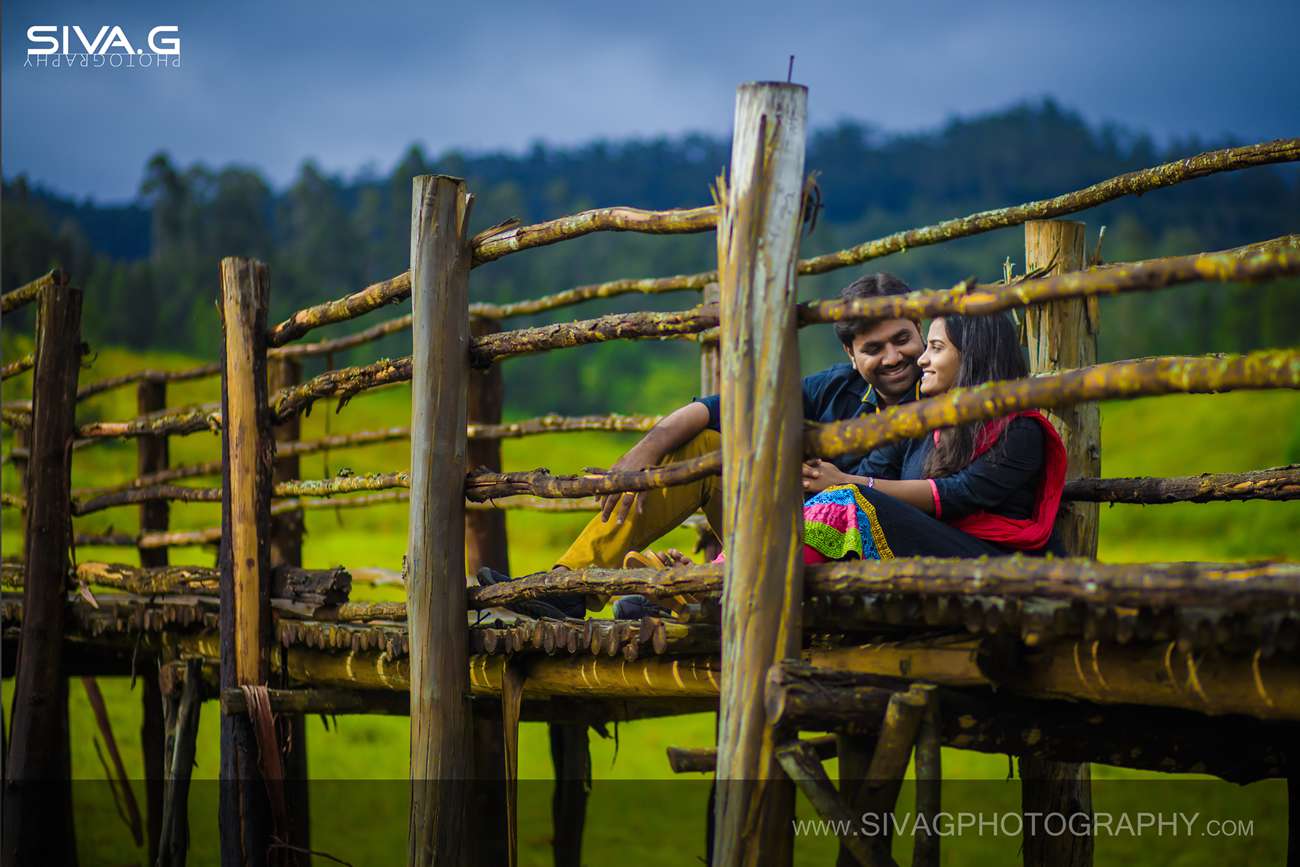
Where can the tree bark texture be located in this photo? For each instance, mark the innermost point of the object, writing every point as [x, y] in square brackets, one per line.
[441, 725]
[759, 222]
[38, 816]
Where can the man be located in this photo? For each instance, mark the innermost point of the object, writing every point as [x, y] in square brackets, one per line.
[880, 372]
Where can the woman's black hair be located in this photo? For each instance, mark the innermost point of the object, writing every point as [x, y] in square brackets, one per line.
[990, 351]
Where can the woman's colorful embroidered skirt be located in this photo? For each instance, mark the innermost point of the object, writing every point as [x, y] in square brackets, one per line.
[840, 523]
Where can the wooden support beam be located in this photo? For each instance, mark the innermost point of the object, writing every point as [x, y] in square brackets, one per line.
[286, 534]
[38, 815]
[877, 792]
[760, 216]
[571, 757]
[1062, 335]
[800, 762]
[300, 702]
[485, 545]
[929, 780]
[245, 618]
[441, 727]
[152, 457]
[704, 760]
[183, 703]
[710, 383]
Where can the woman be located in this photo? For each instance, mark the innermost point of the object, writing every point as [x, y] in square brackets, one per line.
[978, 489]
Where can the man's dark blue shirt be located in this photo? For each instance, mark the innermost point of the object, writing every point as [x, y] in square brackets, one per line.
[837, 393]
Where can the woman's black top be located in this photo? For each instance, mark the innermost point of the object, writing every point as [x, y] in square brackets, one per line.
[1004, 480]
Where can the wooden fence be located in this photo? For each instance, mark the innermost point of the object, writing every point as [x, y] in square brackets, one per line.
[887, 654]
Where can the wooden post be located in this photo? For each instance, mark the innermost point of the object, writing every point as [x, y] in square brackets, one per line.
[710, 383]
[1063, 335]
[247, 451]
[571, 756]
[152, 456]
[286, 550]
[760, 208]
[182, 702]
[486, 545]
[38, 826]
[441, 731]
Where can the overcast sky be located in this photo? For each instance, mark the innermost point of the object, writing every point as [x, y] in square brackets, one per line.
[349, 84]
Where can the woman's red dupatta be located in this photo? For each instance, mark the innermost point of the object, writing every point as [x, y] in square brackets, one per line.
[1026, 534]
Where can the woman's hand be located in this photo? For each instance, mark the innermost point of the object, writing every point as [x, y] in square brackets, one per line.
[818, 475]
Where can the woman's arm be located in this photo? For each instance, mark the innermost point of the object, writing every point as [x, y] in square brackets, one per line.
[1011, 466]
[818, 475]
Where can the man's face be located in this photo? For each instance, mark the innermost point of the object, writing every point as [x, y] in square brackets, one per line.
[885, 356]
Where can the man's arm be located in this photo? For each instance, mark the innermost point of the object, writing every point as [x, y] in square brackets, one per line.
[672, 432]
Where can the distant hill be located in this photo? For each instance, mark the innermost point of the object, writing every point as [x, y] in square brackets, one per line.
[150, 268]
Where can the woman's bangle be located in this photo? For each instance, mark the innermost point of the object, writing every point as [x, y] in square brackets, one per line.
[871, 481]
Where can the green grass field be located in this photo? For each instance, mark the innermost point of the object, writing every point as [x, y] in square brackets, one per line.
[638, 813]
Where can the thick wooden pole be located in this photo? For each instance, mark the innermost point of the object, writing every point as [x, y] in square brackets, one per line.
[710, 383]
[38, 826]
[486, 545]
[441, 730]
[245, 620]
[151, 457]
[183, 702]
[286, 550]
[1063, 335]
[758, 243]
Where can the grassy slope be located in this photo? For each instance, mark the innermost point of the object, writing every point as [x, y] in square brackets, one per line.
[641, 820]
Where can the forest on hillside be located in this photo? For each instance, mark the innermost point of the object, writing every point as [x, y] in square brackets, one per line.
[149, 268]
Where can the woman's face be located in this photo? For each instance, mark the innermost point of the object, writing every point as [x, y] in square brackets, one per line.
[940, 361]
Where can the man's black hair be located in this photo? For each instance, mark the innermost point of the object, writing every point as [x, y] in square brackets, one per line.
[870, 286]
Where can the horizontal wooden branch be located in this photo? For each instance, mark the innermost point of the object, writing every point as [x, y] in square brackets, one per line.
[292, 583]
[341, 485]
[167, 539]
[152, 493]
[16, 418]
[202, 371]
[29, 292]
[339, 344]
[16, 501]
[374, 296]
[1230, 586]
[18, 365]
[1228, 266]
[187, 420]
[617, 326]
[485, 485]
[1258, 587]
[557, 424]
[579, 294]
[678, 580]
[1131, 184]
[1277, 483]
[342, 384]
[704, 760]
[1169, 740]
[497, 242]
[1119, 379]
[323, 701]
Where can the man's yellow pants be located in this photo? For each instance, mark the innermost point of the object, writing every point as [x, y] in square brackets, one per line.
[604, 543]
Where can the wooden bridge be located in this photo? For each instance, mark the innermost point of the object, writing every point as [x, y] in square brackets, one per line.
[1171, 667]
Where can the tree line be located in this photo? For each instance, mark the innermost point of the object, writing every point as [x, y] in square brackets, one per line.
[150, 267]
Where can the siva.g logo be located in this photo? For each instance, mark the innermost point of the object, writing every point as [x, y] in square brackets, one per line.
[70, 45]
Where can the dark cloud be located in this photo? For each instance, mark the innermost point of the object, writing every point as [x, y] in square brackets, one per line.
[272, 84]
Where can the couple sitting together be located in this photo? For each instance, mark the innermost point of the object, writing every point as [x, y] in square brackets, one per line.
[984, 489]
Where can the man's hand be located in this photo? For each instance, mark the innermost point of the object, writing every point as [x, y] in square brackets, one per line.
[620, 505]
[818, 475]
